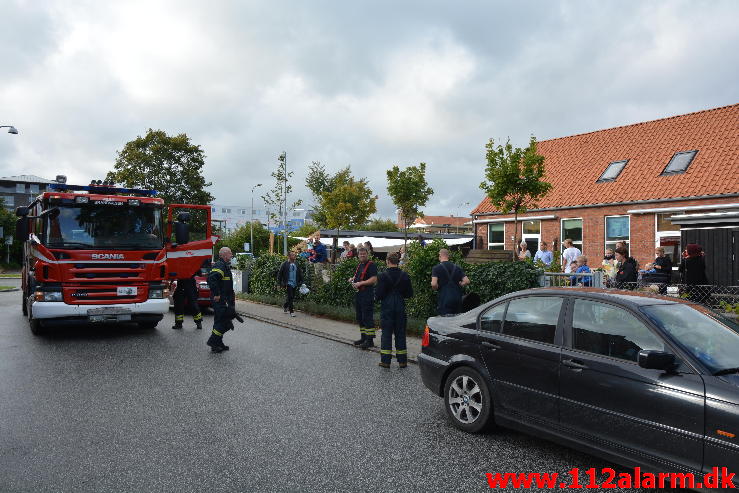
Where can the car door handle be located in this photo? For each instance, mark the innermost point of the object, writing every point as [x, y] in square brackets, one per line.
[490, 345]
[574, 364]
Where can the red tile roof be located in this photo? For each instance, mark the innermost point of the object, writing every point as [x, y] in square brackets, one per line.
[573, 164]
[442, 220]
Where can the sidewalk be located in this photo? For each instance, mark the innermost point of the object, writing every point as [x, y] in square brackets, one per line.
[318, 326]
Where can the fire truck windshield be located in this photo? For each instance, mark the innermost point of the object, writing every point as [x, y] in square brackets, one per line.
[123, 227]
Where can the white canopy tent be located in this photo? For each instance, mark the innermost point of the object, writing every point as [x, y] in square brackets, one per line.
[384, 245]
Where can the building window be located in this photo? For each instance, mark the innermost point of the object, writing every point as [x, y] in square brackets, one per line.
[496, 236]
[668, 236]
[20, 188]
[531, 230]
[679, 162]
[8, 202]
[612, 171]
[213, 210]
[243, 212]
[33, 189]
[617, 229]
[572, 229]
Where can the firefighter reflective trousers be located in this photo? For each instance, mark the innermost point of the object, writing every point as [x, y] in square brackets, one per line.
[364, 306]
[393, 323]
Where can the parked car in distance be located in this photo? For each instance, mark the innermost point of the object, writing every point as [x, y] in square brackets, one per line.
[637, 379]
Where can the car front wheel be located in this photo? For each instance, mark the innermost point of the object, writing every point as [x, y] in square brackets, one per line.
[467, 400]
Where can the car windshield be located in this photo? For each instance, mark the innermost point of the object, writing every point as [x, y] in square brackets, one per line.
[105, 226]
[710, 338]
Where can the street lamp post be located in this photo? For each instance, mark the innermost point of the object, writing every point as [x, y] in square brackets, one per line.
[459, 211]
[283, 158]
[251, 223]
[11, 129]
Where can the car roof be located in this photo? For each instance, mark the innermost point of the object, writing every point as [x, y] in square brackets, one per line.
[617, 295]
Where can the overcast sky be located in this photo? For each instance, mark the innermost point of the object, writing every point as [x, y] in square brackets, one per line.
[360, 83]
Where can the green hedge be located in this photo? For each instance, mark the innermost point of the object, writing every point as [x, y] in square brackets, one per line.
[489, 280]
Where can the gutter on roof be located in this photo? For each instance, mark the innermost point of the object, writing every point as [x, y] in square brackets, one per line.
[510, 219]
[632, 202]
[686, 208]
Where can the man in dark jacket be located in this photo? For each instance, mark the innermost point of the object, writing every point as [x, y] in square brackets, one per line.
[448, 279]
[364, 280]
[289, 277]
[393, 287]
[224, 299]
[628, 270]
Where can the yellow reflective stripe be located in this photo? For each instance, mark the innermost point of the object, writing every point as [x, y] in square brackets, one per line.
[217, 333]
[179, 317]
[226, 278]
[217, 270]
[402, 351]
[386, 351]
[198, 316]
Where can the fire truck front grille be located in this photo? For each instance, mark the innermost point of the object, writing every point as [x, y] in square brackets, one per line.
[108, 271]
[90, 295]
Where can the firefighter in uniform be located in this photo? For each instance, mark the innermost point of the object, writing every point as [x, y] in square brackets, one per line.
[393, 287]
[364, 281]
[186, 293]
[449, 280]
[224, 299]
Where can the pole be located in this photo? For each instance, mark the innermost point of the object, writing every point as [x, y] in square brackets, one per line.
[284, 195]
[251, 223]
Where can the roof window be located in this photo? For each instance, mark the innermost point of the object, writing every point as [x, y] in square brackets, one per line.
[679, 162]
[612, 171]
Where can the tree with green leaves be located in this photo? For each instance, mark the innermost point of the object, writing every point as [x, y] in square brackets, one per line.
[171, 165]
[410, 191]
[513, 178]
[349, 202]
[378, 224]
[275, 200]
[319, 182]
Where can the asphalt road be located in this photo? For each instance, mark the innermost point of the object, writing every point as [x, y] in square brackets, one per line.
[122, 409]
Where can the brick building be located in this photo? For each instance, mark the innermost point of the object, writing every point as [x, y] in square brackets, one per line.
[626, 183]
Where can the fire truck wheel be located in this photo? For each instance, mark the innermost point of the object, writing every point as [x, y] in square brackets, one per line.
[23, 304]
[35, 324]
[148, 325]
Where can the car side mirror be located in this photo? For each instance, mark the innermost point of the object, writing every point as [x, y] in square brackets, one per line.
[656, 360]
[21, 229]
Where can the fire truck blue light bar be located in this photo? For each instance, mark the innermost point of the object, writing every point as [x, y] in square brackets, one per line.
[101, 189]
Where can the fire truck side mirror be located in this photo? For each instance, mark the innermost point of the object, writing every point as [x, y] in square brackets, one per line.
[21, 211]
[21, 229]
[181, 233]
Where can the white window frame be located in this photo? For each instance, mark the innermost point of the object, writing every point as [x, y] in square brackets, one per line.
[20, 188]
[528, 236]
[562, 238]
[605, 232]
[492, 245]
[658, 235]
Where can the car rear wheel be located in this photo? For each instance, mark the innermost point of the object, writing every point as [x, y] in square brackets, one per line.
[467, 400]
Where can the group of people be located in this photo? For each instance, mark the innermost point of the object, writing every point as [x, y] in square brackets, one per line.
[391, 288]
[352, 251]
[315, 251]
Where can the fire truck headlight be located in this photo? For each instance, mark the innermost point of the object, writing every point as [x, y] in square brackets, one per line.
[50, 296]
[81, 200]
[203, 285]
[156, 293]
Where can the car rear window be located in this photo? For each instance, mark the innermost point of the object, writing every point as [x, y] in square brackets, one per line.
[533, 317]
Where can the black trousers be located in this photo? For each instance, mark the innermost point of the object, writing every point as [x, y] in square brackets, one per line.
[222, 321]
[186, 293]
[393, 322]
[364, 308]
[289, 297]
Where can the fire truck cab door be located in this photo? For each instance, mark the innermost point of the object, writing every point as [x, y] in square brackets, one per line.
[186, 259]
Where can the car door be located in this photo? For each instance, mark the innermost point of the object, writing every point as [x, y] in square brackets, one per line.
[606, 397]
[520, 344]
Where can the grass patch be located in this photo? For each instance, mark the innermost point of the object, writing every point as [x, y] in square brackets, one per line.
[10, 276]
[3, 288]
[340, 313]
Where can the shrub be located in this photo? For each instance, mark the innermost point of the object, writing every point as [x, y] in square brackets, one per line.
[338, 292]
[494, 279]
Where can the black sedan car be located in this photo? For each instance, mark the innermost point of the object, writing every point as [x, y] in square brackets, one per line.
[638, 380]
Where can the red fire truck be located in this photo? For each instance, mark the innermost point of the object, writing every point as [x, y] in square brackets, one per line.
[99, 253]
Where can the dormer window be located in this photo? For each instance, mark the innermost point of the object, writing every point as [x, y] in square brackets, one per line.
[679, 162]
[612, 171]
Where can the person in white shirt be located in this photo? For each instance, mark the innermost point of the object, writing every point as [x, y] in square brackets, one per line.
[569, 255]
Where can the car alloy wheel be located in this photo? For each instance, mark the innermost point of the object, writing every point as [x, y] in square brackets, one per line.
[467, 400]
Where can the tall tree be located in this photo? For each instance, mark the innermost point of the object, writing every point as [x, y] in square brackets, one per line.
[275, 200]
[318, 181]
[171, 165]
[514, 178]
[350, 201]
[409, 191]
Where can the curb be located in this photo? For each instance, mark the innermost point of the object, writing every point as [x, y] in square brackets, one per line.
[9, 290]
[323, 335]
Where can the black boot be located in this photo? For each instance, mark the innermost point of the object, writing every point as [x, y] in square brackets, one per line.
[177, 325]
[368, 343]
[198, 325]
[215, 343]
[360, 340]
